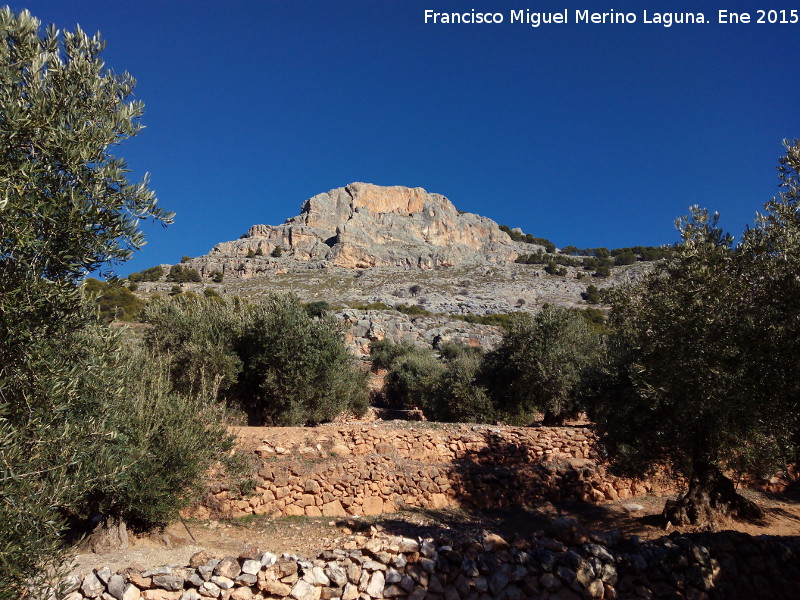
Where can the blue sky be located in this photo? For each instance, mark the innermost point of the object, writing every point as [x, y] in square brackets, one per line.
[592, 135]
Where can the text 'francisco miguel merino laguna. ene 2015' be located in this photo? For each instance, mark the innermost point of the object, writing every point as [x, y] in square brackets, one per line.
[610, 17]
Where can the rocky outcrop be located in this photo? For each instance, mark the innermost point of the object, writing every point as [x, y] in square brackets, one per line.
[567, 562]
[363, 327]
[364, 225]
[365, 244]
[464, 290]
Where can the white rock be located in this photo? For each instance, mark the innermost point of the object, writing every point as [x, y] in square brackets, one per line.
[70, 584]
[303, 590]
[131, 593]
[316, 576]
[209, 589]
[350, 592]
[268, 559]
[162, 570]
[104, 574]
[336, 574]
[376, 585]
[223, 583]
[92, 587]
[251, 567]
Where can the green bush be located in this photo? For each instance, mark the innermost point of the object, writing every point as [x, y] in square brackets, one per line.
[165, 442]
[625, 258]
[412, 309]
[297, 369]
[318, 308]
[272, 358]
[529, 239]
[592, 294]
[384, 352]
[702, 370]
[442, 387]
[540, 365]
[371, 306]
[217, 276]
[540, 258]
[495, 319]
[645, 253]
[456, 396]
[151, 274]
[553, 269]
[54, 451]
[411, 380]
[592, 263]
[277, 252]
[596, 319]
[68, 208]
[128, 446]
[114, 301]
[196, 339]
[602, 271]
[181, 274]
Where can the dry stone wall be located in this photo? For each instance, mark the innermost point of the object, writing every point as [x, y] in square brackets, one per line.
[569, 563]
[340, 470]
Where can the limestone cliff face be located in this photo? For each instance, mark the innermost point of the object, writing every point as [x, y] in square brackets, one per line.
[365, 225]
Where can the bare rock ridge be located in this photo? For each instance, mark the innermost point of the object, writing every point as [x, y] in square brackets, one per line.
[364, 225]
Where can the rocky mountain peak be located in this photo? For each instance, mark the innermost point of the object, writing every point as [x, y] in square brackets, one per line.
[365, 225]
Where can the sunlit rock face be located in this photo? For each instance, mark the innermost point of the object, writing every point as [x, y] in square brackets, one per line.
[365, 225]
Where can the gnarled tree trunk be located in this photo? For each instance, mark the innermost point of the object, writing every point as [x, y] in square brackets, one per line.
[710, 495]
[110, 534]
[552, 419]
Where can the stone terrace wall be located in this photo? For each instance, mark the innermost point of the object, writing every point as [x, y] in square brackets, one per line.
[340, 470]
[569, 564]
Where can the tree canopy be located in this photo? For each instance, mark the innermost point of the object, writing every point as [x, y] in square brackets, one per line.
[701, 373]
[66, 208]
[540, 363]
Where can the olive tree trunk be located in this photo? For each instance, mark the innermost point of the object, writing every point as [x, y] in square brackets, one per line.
[711, 495]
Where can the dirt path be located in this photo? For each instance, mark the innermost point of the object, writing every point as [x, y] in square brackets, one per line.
[307, 536]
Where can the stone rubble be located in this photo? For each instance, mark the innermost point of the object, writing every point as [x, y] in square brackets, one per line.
[568, 563]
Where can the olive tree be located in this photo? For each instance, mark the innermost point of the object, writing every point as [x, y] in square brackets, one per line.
[673, 392]
[66, 207]
[271, 357]
[540, 365]
[771, 251]
[296, 368]
[700, 374]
